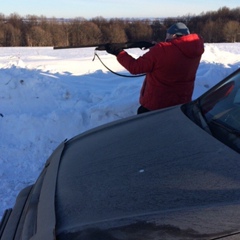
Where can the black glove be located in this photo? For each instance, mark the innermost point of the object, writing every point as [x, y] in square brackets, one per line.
[114, 48]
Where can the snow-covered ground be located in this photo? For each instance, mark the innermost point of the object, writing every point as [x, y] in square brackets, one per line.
[49, 95]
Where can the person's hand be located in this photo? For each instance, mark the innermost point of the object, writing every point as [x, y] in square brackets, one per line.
[114, 48]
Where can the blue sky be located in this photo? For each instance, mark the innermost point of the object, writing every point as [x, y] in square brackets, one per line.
[113, 8]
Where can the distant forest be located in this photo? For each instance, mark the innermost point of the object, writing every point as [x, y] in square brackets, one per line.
[222, 25]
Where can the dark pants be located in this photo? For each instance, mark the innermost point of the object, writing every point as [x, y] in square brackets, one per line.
[142, 109]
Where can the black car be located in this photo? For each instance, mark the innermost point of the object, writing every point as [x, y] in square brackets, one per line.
[168, 174]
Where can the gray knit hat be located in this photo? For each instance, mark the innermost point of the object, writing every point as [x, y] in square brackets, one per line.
[178, 29]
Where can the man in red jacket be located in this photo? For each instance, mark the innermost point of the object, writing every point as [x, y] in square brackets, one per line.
[170, 68]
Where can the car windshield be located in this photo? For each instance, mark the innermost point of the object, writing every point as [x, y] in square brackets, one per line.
[218, 111]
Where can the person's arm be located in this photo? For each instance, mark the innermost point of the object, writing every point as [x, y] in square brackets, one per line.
[140, 65]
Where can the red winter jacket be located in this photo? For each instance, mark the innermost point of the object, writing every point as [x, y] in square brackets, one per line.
[170, 69]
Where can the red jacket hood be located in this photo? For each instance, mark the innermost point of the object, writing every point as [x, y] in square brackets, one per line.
[190, 45]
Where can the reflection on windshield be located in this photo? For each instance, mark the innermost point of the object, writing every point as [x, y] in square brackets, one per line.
[218, 100]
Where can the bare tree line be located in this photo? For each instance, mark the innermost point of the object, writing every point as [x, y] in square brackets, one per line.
[215, 26]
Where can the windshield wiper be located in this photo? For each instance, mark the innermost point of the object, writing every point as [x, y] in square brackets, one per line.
[229, 129]
[226, 235]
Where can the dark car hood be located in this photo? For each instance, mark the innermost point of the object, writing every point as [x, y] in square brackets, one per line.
[159, 164]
